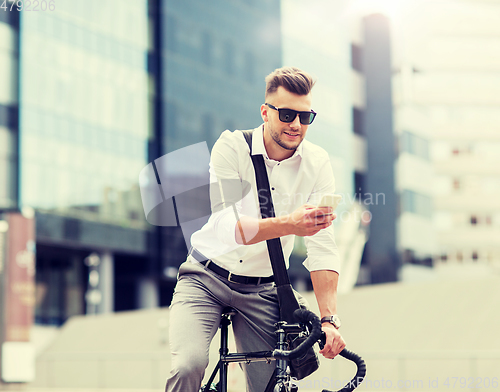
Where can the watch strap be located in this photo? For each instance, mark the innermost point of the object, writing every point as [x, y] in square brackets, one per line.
[331, 320]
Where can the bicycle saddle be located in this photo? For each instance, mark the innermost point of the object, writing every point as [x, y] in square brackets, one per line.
[229, 311]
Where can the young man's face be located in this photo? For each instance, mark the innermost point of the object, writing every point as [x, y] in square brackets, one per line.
[282, 138]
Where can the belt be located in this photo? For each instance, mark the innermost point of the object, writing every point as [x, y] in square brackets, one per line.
[226, 274]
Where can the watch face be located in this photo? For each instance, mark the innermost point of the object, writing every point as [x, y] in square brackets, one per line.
[335, 320]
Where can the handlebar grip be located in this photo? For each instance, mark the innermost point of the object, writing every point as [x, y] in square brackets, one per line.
[360, 372]
[316, 334]
[304, 316]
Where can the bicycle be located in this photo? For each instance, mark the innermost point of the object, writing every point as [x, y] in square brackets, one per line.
[308, 324]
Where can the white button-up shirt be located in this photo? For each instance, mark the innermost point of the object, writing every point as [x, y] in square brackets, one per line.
[302, 178]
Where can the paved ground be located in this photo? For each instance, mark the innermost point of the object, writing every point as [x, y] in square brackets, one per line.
[411, 336]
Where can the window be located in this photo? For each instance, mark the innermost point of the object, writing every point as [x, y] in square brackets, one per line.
[229, 63]
[171, 32]
[359, 186]
[8, 117]
[249, 67]
[416, 203]
[171, 116]
[414, 145]
[357, 121]
[462, 149]
[10, 17]
[356, 57]
[207, 128]
[207, 49]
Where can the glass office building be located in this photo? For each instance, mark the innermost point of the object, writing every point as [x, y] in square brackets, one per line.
[92, 92]
[217, 55]
[83, 139]
[214, 59]
[9, 24]
[84, 109]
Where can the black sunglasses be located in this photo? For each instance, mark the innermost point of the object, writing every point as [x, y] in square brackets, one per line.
[289, 115]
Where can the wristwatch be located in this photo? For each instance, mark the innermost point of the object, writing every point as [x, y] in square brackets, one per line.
[334, 320]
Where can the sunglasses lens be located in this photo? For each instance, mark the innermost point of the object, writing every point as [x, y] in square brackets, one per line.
[287, 115]
[307, 118]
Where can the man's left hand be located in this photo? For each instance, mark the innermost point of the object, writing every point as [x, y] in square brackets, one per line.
[334, 341]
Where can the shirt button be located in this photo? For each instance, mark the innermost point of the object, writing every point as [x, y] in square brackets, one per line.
[272, 188]
[241, 261]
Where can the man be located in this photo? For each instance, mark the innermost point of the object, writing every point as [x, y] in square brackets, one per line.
[234, 239]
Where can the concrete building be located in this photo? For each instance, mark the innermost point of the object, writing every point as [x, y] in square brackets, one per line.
[417, 243]
[448, 88]
[381, 251]
[351, 59]
[325, 54]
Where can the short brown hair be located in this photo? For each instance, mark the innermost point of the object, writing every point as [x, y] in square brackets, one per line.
[291, 79]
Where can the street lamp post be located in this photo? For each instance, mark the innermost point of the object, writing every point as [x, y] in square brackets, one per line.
[93, 296]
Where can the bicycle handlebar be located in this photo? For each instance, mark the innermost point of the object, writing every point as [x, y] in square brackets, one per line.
[315, 335]
[360, 372]
[304, 316]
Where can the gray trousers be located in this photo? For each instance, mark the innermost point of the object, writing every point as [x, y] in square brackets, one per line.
[195, 313]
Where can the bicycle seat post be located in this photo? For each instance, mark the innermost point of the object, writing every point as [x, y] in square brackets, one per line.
[225, 321]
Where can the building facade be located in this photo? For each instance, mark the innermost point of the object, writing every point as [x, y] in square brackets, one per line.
[351, 59]
[214, 58]
[90, 94]
[374, 129]
[9, 104]
[83, 137]
[448, 92]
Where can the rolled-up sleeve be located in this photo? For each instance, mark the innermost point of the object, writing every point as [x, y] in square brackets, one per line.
[322, 251]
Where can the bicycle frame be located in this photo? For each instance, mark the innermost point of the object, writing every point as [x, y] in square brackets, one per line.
[280, 355]
[259, 356]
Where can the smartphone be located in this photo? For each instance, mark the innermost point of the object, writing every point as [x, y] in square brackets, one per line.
[330, 200]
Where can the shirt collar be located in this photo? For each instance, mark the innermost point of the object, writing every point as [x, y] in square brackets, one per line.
[258, 147]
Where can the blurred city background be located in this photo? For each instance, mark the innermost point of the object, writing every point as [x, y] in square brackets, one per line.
[91, 92]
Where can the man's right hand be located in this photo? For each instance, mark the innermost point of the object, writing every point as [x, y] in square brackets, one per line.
[307, 220]
[304, 221]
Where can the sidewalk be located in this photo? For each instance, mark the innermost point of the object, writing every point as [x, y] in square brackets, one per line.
[88, 390]
[22, 388]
